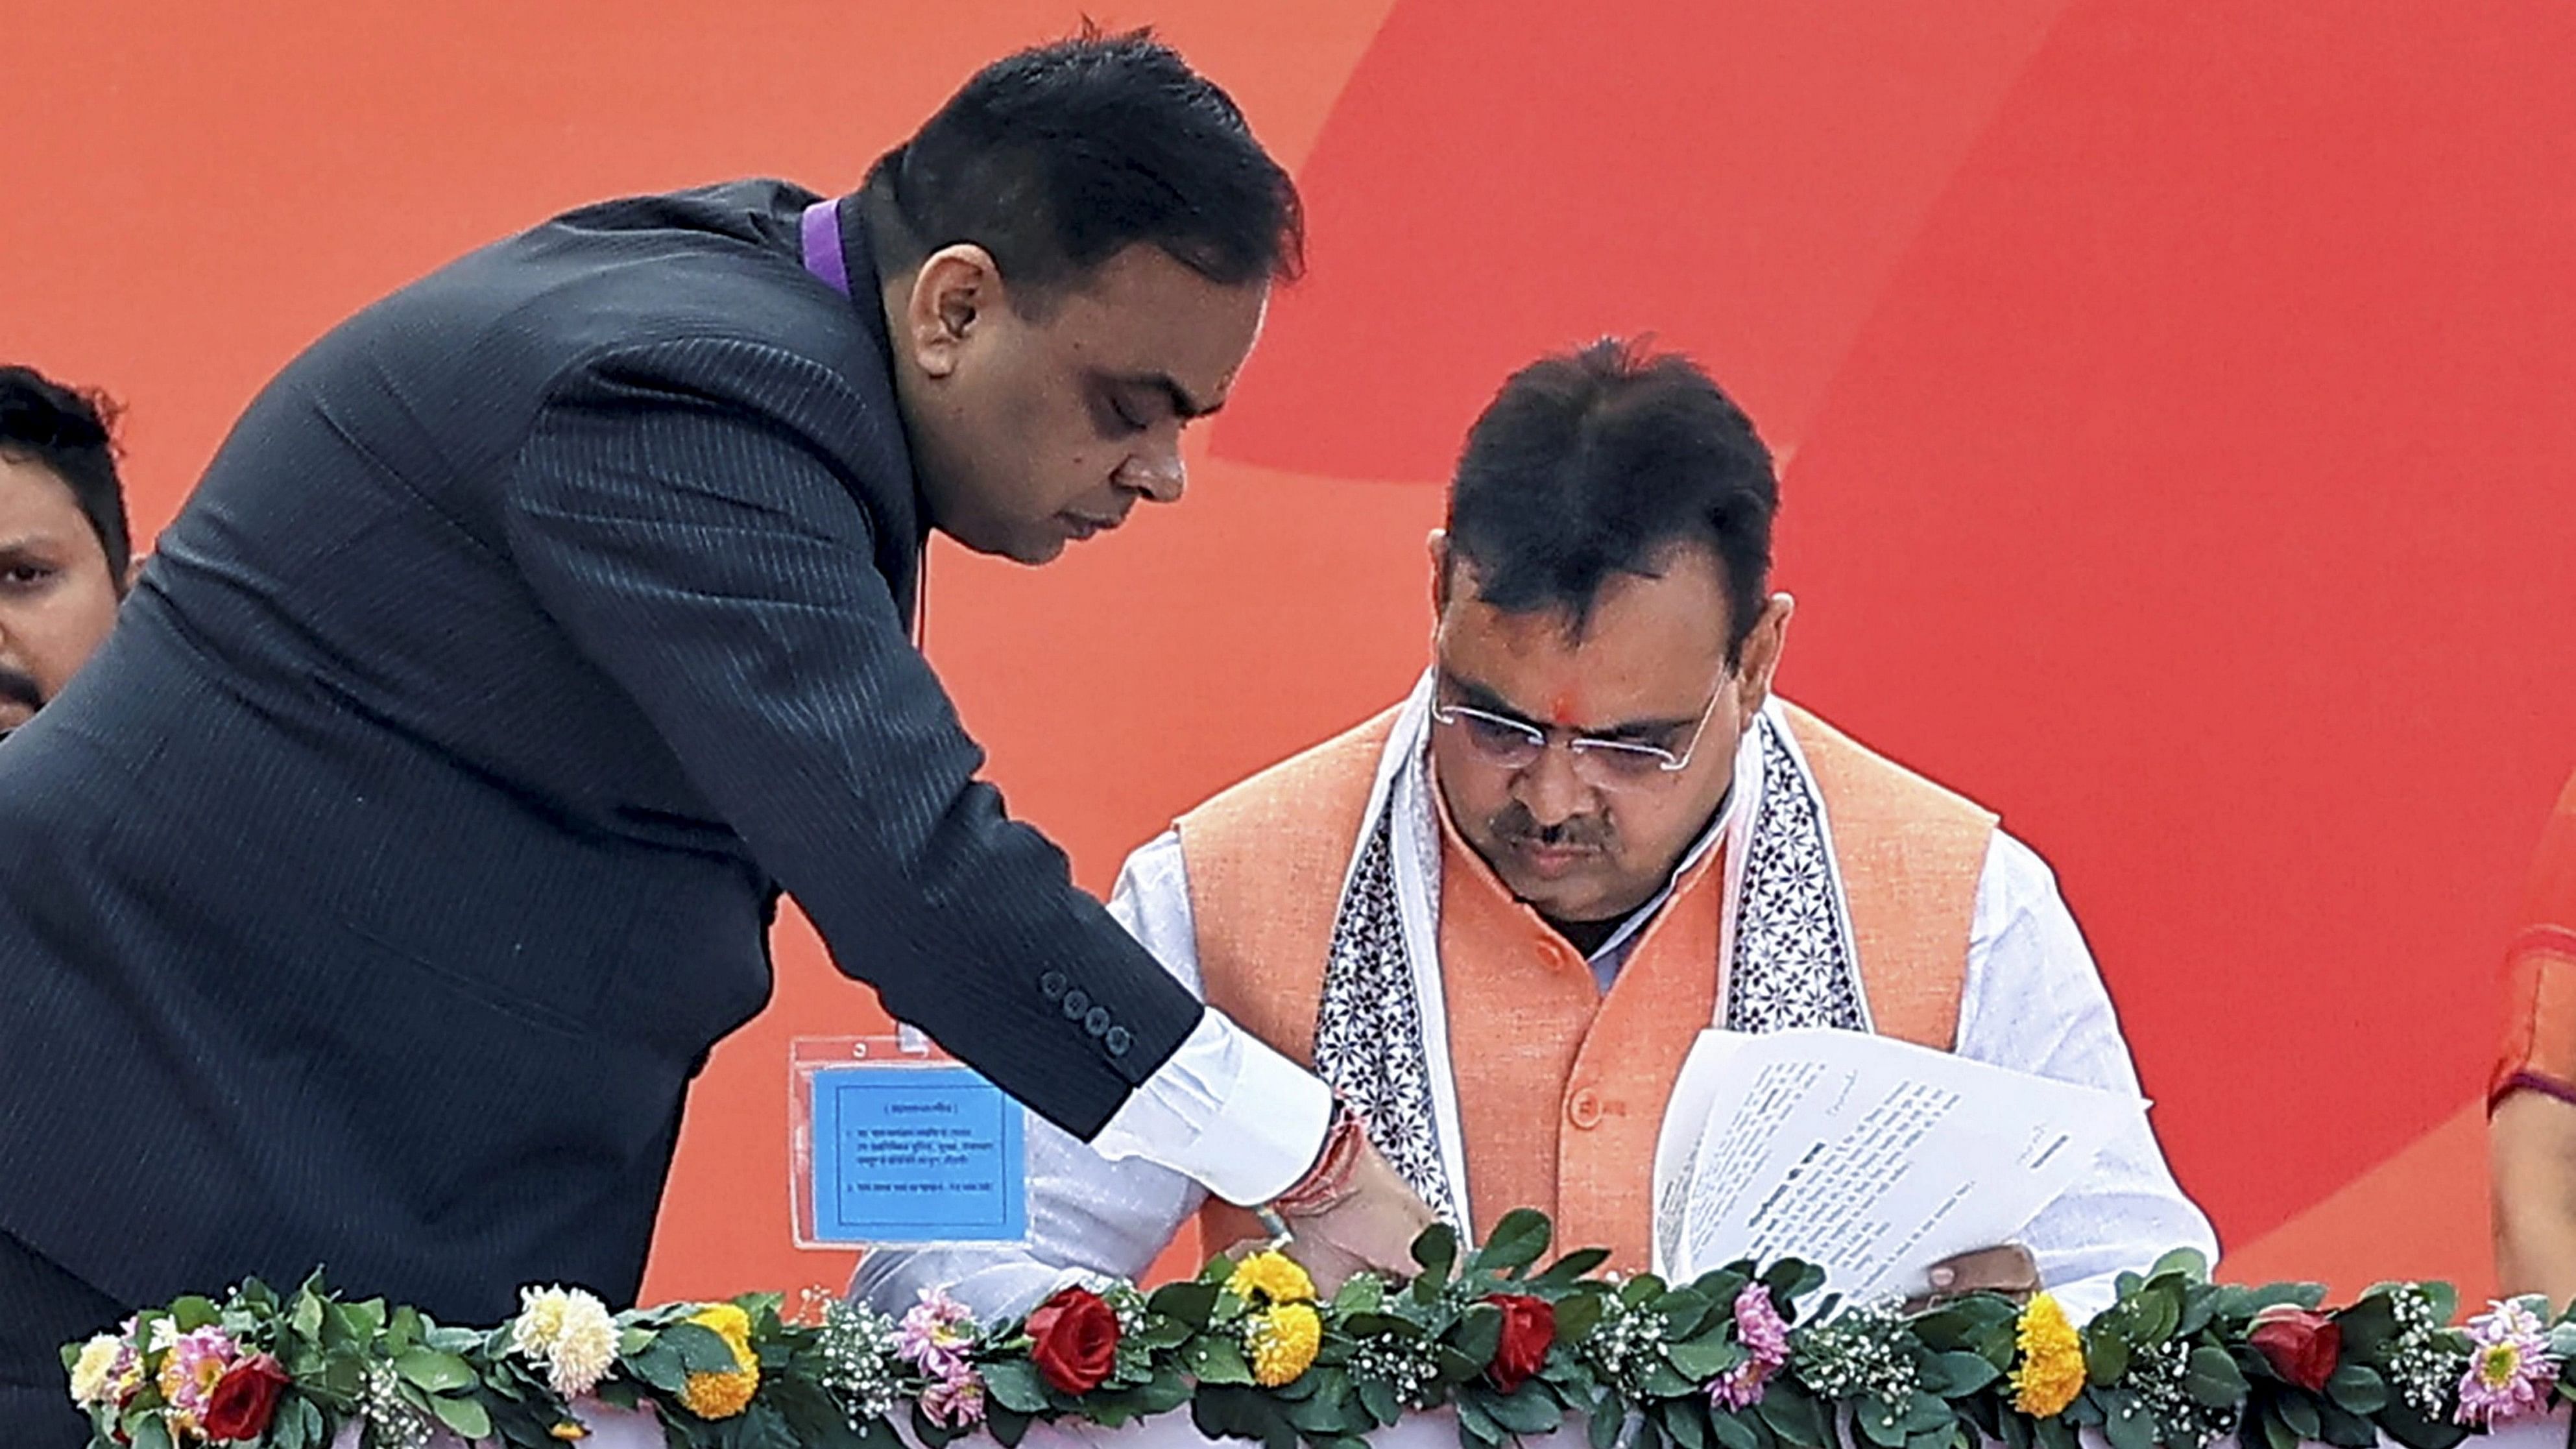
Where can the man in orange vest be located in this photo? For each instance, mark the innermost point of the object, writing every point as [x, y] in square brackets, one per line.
[1496, 917]
[2531, 1127]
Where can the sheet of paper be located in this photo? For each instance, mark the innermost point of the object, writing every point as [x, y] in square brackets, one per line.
[1870, 1157]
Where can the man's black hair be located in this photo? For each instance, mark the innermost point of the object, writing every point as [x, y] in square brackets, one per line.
[1057, 158]
[1598, 462]
[67, 431]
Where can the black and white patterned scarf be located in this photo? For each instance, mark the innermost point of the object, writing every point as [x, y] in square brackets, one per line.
[1381, 1032]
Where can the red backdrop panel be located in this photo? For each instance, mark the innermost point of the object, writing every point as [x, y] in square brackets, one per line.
[2181, 399]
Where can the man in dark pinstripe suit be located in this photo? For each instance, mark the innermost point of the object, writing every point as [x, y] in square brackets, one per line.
[372, 898]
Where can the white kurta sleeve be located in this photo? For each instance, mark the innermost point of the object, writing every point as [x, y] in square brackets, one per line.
[2035, 1003]
[1087, 1214]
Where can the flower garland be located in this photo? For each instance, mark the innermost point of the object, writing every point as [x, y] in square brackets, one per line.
[1735, 1359]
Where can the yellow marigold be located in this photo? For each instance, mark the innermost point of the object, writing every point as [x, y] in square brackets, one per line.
[1270, 1277]
[1283, 1342]
[723, 1395]
[2051, 1373]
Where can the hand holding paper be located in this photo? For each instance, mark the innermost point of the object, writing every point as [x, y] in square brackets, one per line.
[1869, 1157]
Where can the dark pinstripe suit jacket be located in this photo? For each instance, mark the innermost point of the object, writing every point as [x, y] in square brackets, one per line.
[373, 896]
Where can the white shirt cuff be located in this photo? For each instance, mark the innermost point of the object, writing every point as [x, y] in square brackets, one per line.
[1226, 1110]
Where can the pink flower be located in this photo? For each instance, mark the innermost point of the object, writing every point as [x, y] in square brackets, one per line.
[935, 1335]
[1765, 1336]
[2510, 1367]
[956, 1401]
[197, 1361]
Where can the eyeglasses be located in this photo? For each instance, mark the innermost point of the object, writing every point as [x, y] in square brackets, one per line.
[1615, 765]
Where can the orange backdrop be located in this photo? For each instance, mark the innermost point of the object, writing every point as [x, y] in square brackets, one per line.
[2180, 398]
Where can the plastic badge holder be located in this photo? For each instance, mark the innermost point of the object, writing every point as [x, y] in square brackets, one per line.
[893, 1142]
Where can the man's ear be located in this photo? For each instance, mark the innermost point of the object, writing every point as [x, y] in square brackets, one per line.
[955, 290]
[1761, 657]
[1438, 547]
[133, 572]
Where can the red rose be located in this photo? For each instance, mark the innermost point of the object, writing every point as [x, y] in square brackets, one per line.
[1529, 1327]
[245, 1398]
[1074, 1340]
[2300, 1344]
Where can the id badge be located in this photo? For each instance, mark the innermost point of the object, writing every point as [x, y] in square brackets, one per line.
[893, 1142]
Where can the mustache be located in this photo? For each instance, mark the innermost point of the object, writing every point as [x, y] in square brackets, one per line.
[1514, 824]
[21, 687]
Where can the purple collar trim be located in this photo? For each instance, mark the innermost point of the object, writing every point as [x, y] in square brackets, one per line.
[822, 228]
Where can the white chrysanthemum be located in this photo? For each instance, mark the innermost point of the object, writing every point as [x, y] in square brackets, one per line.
[570, 1332]
[586, 1350]
[92, 1375]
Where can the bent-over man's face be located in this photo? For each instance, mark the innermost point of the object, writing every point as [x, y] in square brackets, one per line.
[1591, 839]
[1032, 431]
[57, 596]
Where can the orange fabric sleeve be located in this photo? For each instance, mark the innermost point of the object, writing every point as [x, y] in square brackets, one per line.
[2539, 1046]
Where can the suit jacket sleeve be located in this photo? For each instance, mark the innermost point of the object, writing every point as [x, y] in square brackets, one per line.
[685, 511]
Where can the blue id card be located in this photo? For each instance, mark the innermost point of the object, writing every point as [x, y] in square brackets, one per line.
[906, 1148]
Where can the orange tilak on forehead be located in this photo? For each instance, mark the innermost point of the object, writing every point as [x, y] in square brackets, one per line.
[1564, 707]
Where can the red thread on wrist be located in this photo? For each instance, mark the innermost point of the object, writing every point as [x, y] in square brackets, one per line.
[1329, 1180]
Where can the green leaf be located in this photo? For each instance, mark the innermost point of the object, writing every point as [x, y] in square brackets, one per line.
[1007, 1426]
[2299, 1413]
[1568, 1270]
[151, 1433]
[2212, 1378]
[1662, 1382]
[1378, 1397]
[1015, 1385]
[1477, 1424]
[1609, 1416]
[1191, 1302]
[2368, 1327]
[1791, 1414]
[2106, 1358]
[193, 1312]
[1577, 1316]
[658, 1364]
[467, 1417]
[1436, 1250]
[1731, 1431]
[1682, 1423]
[2189, 1262]
[701, 1349]
[437, 1372]
[2344, 1429]
[1215, 1359]
[1360, 1293]
[306, 1319]
[1526, 1410]
[1925, 1413]
[2357, 1389]
[1707, 1356]
[2129, 1426]
[1516, 1242]
[1878, 1423]
[1479, 1333]
[1967, 1372]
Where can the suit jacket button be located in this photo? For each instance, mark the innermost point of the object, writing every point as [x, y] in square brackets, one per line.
[1118, 1041]
[1097, 1022]
[1053, 984]
[1076, 1002]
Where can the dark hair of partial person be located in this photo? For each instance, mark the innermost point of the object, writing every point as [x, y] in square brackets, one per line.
[1058, 158]
[1596, 463]
[68, 431]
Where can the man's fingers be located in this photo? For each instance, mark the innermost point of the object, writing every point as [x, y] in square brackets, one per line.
[2005, 1269]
